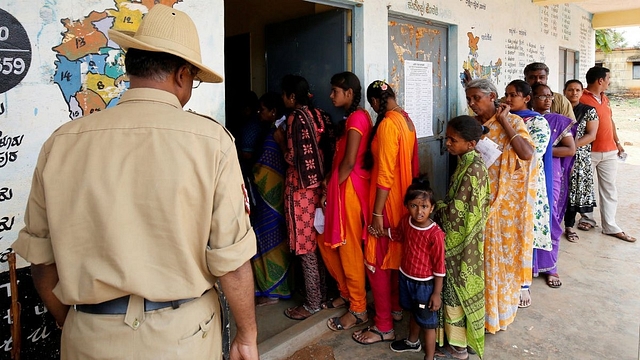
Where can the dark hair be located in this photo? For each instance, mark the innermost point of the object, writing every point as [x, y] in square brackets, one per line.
[534, 90]
[537, 86]
[345, 81]
[468, 127]
[595, 73]
[535, 66]
[297, 85]
[154, 65]
[523, 88]
[420, 189]
[382, 91]
[572, 81]
[273, 101]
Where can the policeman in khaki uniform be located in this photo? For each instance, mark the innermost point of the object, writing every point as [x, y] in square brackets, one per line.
[136, 211]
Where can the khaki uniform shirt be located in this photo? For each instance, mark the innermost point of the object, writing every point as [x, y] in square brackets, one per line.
[561, 105]
[143, 198]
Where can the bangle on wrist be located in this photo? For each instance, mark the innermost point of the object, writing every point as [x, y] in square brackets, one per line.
[376, 214]
[513, 137]
[617, 142]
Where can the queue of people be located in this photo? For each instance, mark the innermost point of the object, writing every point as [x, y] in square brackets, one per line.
[462, 266]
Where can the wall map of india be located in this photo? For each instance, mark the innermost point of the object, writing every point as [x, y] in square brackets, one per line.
[89, 66]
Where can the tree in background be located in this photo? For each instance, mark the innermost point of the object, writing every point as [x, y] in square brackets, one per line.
[609, 39]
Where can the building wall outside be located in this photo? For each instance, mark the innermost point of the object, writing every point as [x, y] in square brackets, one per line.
[488, 38]
[622, 81]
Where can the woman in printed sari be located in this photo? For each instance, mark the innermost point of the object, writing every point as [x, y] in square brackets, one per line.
[462, 215]
[507, 243]
[346, 205]
[582, 197]
[303, 153]
[271, 262]
[559, 168]
[392, 156]
[517, 96]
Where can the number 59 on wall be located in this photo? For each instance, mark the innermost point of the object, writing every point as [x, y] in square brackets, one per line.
[12, 66]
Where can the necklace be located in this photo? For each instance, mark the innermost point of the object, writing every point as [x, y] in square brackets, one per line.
[397, 107]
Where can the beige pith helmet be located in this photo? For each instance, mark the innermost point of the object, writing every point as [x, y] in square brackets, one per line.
[165, 29]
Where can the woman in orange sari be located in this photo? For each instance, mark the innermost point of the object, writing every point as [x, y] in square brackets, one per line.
[348, 183]
[508, 245]
[392, 156]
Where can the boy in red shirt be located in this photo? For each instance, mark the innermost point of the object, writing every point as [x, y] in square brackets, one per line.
[422, 268]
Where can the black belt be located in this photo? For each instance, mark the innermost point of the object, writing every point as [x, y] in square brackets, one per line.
[119, 306]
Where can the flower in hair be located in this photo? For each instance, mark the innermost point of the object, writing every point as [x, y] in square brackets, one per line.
[380, 84]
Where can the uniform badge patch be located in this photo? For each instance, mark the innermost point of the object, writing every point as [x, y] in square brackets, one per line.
[247, 205]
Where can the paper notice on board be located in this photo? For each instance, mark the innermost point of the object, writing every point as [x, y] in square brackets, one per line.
[418, 95]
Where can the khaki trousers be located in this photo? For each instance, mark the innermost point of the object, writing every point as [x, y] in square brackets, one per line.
[192, 331]
[605, 165]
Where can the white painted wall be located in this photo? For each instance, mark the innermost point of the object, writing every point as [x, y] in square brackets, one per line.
[36, 106]
[516, 32]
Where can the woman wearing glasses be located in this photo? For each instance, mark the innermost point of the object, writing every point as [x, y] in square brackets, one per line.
[518, 96]
[563, 151]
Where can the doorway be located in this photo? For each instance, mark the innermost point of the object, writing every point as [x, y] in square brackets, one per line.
[418, 74]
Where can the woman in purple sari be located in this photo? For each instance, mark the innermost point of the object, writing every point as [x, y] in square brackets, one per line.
[558, 162]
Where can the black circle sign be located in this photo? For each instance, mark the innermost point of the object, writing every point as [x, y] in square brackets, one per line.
[15, 52]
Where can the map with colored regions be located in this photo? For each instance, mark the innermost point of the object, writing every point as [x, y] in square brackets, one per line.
[90, 67]
[478, 70]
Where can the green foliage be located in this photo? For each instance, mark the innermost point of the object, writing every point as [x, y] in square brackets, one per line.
[609, 39]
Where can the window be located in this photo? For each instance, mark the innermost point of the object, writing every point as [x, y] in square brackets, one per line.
[636, 71]
[568, 66]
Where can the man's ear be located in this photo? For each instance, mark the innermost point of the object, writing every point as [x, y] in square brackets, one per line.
[180, 76]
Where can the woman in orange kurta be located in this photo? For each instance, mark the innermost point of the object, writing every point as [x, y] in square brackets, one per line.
[346, 205]
[393, 160]
[508, 246]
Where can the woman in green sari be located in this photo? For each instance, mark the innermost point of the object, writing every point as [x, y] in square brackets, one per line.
[462, 215]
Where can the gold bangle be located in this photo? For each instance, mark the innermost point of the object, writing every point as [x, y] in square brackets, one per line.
[375, 214]
[513, 137]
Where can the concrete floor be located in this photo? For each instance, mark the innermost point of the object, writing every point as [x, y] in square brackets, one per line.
[594, 315]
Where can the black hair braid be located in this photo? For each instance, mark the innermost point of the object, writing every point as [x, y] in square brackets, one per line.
[357, 96]
[382, 110]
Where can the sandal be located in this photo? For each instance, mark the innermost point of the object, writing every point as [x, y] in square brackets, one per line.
[623, 236]
[373, 330]
[585, 226]
[330, 305]
[335, 324]
[447, 352]
[553, 281]
[525, 298]
[572, 236]
[299, 312]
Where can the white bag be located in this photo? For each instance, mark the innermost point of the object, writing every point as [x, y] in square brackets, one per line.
[318, 221]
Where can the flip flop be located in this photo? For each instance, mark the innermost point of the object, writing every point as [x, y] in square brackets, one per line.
[335, 324]
[571, 236]
[553, 281]
[585, 226]
[375, 331]
[623, 236]
[446, 354]
[296, 313]
[329, 304]
[525, 298]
